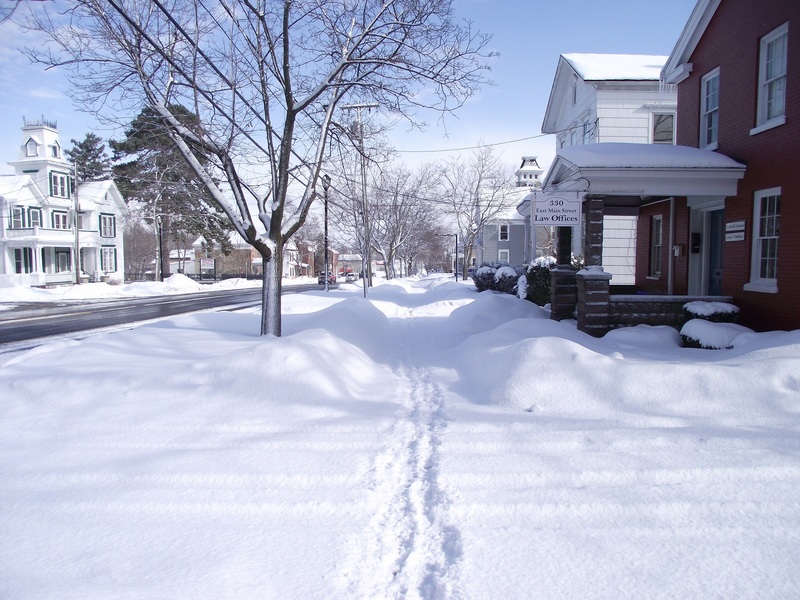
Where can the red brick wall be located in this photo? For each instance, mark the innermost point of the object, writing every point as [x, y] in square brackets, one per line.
[731, 42]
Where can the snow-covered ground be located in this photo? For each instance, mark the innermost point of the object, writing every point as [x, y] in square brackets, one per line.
[428, 442]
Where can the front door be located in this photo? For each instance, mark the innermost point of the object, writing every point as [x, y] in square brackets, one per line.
[716, 238]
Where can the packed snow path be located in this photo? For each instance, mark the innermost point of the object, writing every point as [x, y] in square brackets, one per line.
[428, 443]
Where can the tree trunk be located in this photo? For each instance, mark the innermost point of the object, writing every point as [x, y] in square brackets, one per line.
[271, 275]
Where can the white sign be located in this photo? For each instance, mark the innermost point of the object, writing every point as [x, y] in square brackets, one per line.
[206, 263]
[557, 210]
[734, 226]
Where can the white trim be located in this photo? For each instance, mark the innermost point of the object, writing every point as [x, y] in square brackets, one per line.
[704, 113]
[757, 283]
[771, 124]
[761, 102]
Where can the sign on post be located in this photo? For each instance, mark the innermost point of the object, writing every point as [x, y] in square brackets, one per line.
[560, 211]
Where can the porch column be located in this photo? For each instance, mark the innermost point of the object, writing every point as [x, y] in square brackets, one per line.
[593, 283]
[593, 209]
[563, 291]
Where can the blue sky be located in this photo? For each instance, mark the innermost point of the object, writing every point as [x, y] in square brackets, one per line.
[528, 34]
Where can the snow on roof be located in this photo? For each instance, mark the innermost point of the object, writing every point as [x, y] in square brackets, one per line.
[645, 156]
[616, 67]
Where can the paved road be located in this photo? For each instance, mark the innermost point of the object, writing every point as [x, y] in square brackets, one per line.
[29, 321]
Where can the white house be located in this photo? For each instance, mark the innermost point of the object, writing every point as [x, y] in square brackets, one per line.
[611, 98]
[39, 231]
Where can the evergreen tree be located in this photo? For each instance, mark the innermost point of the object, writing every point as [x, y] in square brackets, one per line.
[150, 171]
[90, 156]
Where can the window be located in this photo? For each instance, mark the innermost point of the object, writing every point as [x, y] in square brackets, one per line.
[587, 132]
[663, 128]
[23, 260]
[58, 185]
[656, 223]
[17, 217]
[35, 217]
[709, 110]
[55, 150]
[772, 79]
[502, 255]
[108, 259]
[31, 148]
[60, 220]
[503, 233]
[107, 226]
[766, 227]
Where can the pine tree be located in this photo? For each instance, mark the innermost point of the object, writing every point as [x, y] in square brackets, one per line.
[150, 171]
[90, 157]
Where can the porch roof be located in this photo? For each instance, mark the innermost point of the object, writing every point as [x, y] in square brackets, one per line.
[643, 170]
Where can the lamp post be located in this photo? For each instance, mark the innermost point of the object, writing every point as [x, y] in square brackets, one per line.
[326, 183]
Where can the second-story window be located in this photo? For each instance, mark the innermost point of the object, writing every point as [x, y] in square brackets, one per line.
[709, 110]
[17, 217]
[107, 226]
[663, 128]
[772, 77]
[35, 217]
[60, 220]
[503, 233]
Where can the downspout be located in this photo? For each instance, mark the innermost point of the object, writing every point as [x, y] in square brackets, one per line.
[670, 269]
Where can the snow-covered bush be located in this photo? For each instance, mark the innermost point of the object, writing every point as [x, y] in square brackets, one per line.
[484, 278]
[114, 281]
[537, 278]
[716, 312]
[505, 280]
[701, 333]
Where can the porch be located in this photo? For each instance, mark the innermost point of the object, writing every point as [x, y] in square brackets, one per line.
[625, 177]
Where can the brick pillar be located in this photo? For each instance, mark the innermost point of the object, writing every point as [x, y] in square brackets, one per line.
[593, 300]
[593, 207]
[563, 290]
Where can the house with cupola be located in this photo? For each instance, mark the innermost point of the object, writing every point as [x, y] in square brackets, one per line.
[53, 231]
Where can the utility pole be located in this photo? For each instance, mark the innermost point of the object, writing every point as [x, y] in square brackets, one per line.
[77, 225]
[326, 183]
[367, 268]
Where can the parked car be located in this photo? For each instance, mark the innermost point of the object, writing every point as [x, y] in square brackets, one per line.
[321, 278]
[350, 277]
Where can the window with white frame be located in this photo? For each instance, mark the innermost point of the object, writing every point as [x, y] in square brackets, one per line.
[772, 61]
[58, 185]
[656, 246]
[35, 217]
[663, 128]
[502, 233]
[17, 217]
[766, 228]
[107, 226]
[31, 148]
[55, 150]
[709, 110]
[502, 255]
[60, 220]
[108, 259]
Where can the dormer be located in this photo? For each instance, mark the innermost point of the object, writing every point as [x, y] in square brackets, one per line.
[31, 148]
[55, 150]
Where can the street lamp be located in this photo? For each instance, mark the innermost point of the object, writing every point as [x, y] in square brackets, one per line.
[326, 183]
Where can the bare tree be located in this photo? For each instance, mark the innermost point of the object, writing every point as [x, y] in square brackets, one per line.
[475, 190]
[401, 210]
[263, 78]
[140, 249]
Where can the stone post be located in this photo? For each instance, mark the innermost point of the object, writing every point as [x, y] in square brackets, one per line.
[593, 306]
[563, 290]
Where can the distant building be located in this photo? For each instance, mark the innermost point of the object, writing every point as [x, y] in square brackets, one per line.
[45, 218]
